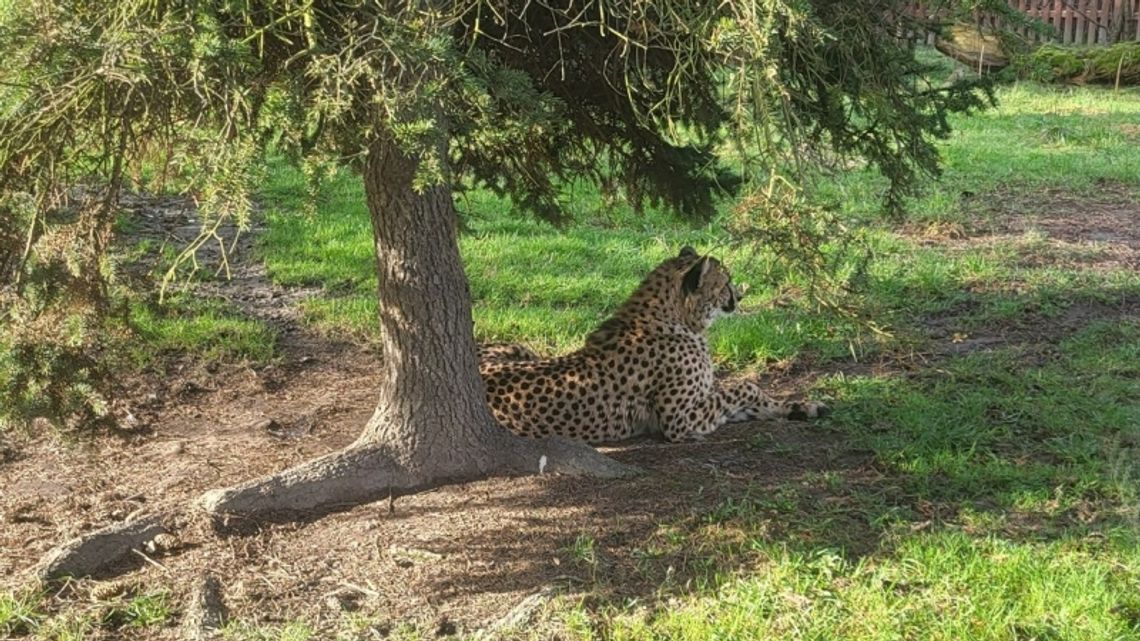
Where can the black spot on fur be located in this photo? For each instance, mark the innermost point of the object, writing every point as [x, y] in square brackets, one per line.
[797, 412]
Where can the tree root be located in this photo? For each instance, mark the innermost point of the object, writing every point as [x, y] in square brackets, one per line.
[563, 456]
[339, 480]
[363, 474]
[206, 613]
[94, 553]
[334, 482]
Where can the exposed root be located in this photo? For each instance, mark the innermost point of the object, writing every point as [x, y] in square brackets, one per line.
[337, 481]
[563, 456]
[94, 553]
[206, 613]
[362, 474]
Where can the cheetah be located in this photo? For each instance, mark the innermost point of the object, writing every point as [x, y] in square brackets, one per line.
[645, 370]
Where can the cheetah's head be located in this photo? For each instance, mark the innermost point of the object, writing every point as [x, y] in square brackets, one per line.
[707, 291]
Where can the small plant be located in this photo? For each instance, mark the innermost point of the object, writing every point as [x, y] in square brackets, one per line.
[19, 613]
[733, 509]
[141, 611]
[584, 550]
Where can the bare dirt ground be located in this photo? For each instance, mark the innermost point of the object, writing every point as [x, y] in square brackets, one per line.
[1055, 227]
[458, 557]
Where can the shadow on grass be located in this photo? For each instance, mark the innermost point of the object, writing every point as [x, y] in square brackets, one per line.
[1014, 444]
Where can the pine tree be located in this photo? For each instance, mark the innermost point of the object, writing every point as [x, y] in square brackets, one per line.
[642, 96]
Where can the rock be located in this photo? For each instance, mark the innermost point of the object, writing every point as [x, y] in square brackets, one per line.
[979, 50]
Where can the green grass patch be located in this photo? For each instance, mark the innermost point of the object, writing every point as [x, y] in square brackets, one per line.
[993, 429]
[292, 631]
[19, 613]
[548, 287]
[935, 586]
[1040, 138]
[206, 328]
[27, 615]
[1003, 504]
[530, 282]
[146, 610]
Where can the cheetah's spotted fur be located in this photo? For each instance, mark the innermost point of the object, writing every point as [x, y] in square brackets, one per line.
[646, 369]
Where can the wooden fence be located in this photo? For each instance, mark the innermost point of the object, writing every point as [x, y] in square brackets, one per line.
[1076, 22]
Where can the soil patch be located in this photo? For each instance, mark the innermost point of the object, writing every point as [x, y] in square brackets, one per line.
[1099, 230]
[464, 554]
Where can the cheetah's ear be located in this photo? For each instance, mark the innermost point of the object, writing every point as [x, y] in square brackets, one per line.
[692, 280]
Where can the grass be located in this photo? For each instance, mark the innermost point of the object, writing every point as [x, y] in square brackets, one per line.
[184, 321]
[292, 631]
[547, 287]
[206, 328]
[945, 585]
[19, 613]
[28, 615]
[1005, 507]
[1040, 138]
[990, 425]
[150, 609]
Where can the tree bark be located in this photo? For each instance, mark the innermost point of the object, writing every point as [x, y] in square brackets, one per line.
[93, 553]
[431, 426]
[432, 412]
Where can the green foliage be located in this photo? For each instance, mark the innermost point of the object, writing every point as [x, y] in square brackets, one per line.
[54, 332]
[53, 377]
[79, 111]
[651, 100]
[1050, 62]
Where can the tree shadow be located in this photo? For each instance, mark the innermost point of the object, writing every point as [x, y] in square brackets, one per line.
[986, 440]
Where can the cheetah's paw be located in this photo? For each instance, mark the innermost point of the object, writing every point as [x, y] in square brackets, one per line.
[805, 410]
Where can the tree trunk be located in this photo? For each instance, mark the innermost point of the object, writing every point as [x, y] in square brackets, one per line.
[432, 412]
[431, 426]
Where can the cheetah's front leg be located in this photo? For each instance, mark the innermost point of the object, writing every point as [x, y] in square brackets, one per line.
[765, 407]
[728, 400]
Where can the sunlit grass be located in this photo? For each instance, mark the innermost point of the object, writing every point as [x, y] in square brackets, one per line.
[208, 329]
[945, 585]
